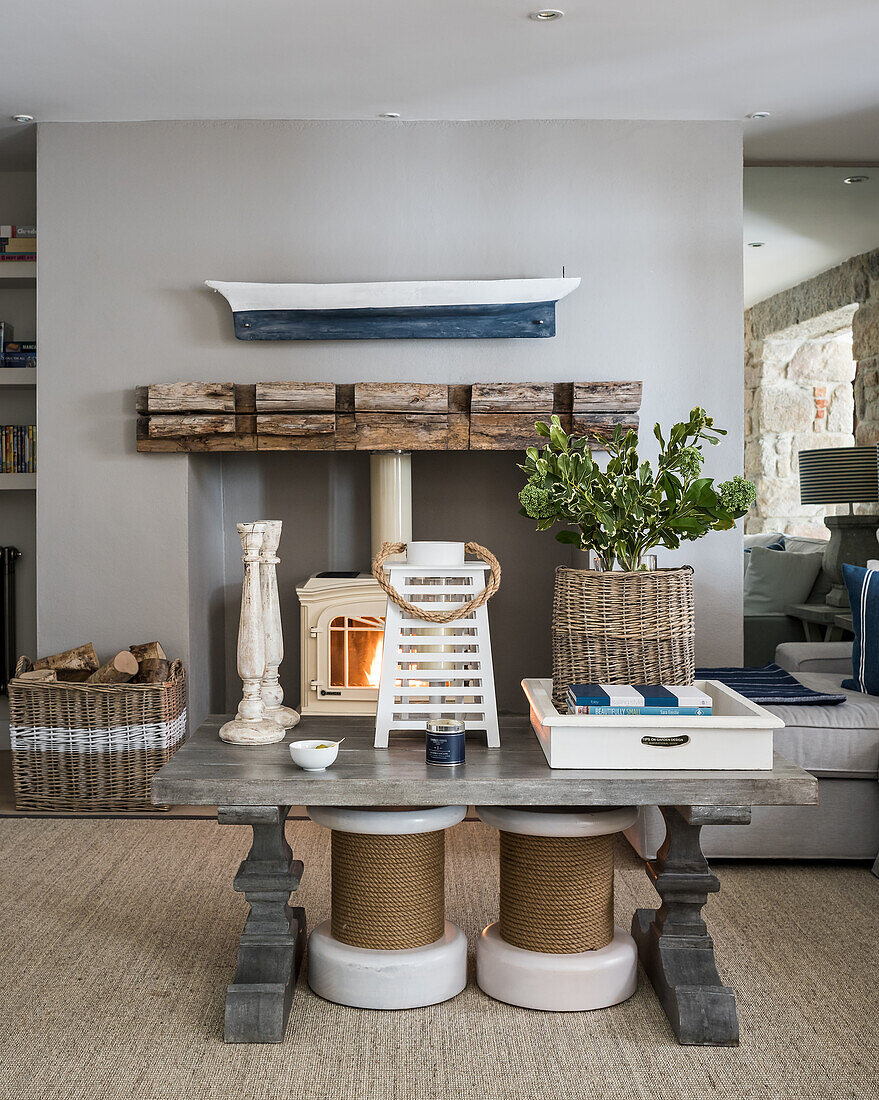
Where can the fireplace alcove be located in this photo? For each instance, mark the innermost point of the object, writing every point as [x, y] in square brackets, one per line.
[323, 499]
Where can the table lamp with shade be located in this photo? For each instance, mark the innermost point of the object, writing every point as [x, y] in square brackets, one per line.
[842, 475]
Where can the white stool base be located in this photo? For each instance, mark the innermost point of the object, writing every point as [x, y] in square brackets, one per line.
[363, 978]
[557, 983]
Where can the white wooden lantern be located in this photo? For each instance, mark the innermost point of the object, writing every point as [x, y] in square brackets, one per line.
[432, 670]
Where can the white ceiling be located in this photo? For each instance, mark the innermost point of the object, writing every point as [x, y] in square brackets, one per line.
[808, 221]
[811, 63]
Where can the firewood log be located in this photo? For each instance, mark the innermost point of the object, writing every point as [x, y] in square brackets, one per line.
[153, 671]
[72, 675]
[151, 650]
[118, 670]
[82, 657]
[47, 675]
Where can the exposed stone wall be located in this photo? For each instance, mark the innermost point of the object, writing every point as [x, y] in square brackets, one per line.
[855, 281]
[803, 348]
[865, 332]
[798, 396]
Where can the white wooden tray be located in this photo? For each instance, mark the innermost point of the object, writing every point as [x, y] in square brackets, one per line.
[737, 736]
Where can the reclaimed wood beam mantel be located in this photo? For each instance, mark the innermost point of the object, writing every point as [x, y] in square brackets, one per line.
[375, 416]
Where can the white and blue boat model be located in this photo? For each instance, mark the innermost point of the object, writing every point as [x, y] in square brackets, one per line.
[467, 309]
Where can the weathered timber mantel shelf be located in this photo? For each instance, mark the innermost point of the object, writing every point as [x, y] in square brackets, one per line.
[375, 416]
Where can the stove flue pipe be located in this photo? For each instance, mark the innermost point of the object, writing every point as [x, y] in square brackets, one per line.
[390, 477]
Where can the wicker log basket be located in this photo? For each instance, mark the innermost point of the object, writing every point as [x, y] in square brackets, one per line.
[621, 628]
[92, 747]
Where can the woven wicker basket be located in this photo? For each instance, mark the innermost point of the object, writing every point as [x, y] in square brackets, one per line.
[621, 628]
[92, 747]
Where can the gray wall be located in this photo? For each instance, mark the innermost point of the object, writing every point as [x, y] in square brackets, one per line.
[323, 501]
[133, 217]
[207, 596]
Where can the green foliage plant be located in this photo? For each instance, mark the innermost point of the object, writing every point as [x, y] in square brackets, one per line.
[622, 512]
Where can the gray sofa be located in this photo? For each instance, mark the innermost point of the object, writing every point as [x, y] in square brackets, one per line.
[838, 744]
[765, 631]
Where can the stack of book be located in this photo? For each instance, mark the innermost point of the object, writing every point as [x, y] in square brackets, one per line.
[650, 699]
[18, 451]
[18, 242]
[16, 353]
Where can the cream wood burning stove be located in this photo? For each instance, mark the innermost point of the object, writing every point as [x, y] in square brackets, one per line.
[342, 615]
[342, 623]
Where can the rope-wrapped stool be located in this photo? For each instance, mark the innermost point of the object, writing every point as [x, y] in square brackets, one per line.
[555, 946]
[387, 944]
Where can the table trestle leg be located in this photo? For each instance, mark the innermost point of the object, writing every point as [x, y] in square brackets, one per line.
[272, 941]
[675, 948]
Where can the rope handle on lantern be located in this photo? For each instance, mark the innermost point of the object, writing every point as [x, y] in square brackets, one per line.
[389, 549]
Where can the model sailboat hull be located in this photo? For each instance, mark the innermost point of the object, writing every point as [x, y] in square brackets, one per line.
[475, 309]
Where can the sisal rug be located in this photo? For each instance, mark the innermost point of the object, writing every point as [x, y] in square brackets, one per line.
[119, 938]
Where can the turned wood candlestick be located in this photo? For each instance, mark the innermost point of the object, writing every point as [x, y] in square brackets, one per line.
[251, 726]
[272, 692]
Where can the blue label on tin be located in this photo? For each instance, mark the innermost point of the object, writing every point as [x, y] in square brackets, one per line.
[445, 748]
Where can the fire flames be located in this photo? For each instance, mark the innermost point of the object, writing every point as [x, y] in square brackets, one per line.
[364, 661]
[374, 671]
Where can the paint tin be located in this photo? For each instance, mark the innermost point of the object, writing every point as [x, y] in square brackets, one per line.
[445, 742]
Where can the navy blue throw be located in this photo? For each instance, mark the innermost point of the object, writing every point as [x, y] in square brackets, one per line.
[863, 595]
[770, 685]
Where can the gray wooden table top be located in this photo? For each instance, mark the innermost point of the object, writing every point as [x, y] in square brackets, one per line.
[813, 612]
[206, 771]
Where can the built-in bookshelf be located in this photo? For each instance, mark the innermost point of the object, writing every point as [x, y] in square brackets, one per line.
[18, 275]
[18, 481]
[19, 378]
[18, 286]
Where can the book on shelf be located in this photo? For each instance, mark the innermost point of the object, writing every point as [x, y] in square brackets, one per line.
[18, 359]
[11, 258]
[655, 712]
[18, 231]
[637, 699]
[18, 451]
[16, 353]
[14, 245]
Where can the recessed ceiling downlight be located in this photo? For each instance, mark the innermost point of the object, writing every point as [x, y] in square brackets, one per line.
[546, 15]
[22, 118]
[389, 114]
[757, 115]
[856, 179]
[756, 244]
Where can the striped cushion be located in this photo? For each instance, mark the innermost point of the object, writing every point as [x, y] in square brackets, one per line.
[863, 594]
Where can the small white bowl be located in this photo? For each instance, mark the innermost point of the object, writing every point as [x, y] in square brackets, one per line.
[310, 758]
